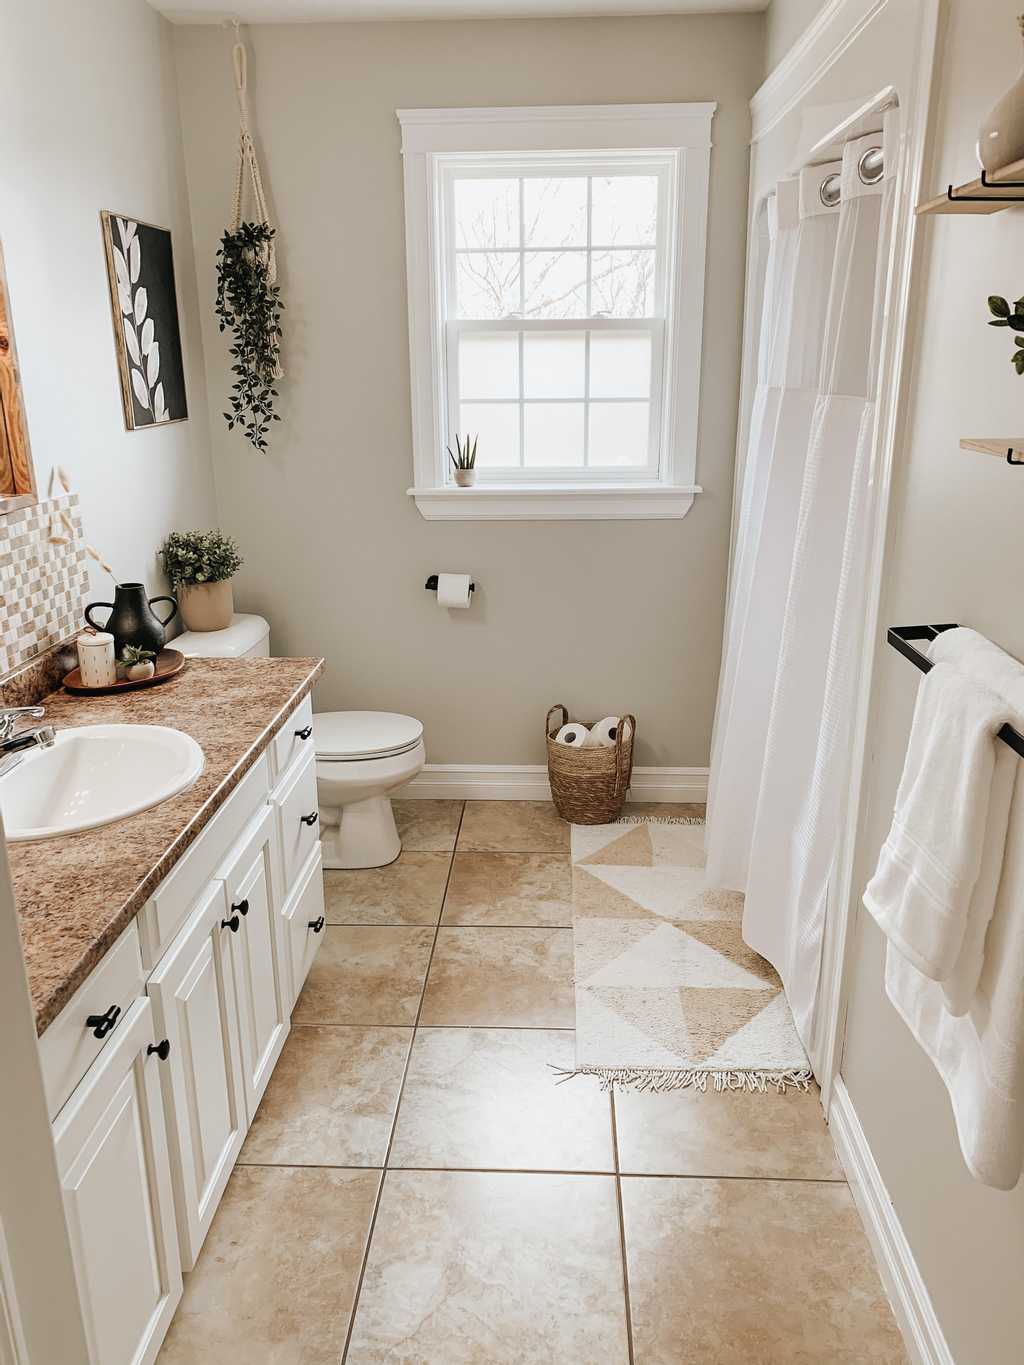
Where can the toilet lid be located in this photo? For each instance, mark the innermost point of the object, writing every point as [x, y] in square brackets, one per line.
[364, 734]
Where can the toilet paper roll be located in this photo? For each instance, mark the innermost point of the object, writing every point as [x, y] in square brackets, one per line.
[574, 734]
[453, 590]
[605, 732]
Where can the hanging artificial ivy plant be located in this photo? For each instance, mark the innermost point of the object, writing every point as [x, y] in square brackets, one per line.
[249, 303]
[1006, 314]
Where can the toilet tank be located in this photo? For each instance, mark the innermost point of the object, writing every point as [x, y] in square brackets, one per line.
[247, 637]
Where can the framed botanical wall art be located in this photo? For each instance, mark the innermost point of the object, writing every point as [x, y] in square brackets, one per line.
[140, 271]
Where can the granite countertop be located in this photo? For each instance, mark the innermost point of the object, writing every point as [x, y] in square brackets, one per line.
[75, 894]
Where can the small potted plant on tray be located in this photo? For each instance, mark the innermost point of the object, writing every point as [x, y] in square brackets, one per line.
[137, 663]
[464, 463]
[201, 565]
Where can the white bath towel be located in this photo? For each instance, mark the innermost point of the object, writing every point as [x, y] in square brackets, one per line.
[971, 1023]
[930, 863]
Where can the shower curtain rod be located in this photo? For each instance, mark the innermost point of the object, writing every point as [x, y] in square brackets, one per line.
[900, 638]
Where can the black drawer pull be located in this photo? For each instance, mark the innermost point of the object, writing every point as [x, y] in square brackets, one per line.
[304, 733]
[232, 924]
[101, 1024]
[162, 1049]
[311, 818]
[316, 924]
[242, 907]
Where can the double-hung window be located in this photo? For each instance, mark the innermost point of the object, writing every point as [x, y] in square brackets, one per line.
[556, 281]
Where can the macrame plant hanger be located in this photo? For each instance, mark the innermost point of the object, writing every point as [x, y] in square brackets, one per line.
[247, 159]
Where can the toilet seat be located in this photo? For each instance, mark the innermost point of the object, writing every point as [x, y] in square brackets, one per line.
[358, 736]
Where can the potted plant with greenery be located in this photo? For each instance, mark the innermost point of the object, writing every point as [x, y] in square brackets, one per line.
[201, 564]
[464, 463]
[137, 662]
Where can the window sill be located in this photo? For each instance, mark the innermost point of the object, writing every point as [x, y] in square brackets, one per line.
[533, 502]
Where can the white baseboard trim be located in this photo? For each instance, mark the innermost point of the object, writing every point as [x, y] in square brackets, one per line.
[900, 1275]
[529, 782]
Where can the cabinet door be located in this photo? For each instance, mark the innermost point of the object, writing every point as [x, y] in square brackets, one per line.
[304, 918]
[193, 995]
[112, 1158]
[251, 882]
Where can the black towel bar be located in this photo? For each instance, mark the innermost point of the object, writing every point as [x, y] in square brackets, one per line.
[901, 637]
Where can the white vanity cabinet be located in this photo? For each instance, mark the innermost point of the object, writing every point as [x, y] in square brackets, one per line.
[195, 1008]
[251, 879]
[152, 1110]
[113, 1165]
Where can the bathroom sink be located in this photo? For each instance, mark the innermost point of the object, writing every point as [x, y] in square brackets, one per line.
[93, 775]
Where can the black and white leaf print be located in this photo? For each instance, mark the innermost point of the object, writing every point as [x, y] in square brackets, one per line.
[142, 280]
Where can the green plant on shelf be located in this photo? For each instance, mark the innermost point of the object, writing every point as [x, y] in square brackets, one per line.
[1006, 314]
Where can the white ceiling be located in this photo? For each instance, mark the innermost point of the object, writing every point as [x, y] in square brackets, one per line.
[310, 11]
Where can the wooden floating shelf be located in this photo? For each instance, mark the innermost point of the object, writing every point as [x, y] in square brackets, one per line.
[975, 197]
[1008, 448]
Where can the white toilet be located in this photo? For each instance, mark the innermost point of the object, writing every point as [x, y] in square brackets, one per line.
[361, 756]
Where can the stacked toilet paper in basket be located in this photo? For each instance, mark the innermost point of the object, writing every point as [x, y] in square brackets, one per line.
[600, 736]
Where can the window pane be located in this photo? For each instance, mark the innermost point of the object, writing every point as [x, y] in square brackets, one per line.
[619, 434]
[489, 365]
[486, 213]
[556, 284]
[624, 211]
[620, 365]
[554, 364]
[487, 284]
[497, 426]
[553, 434]
[555, 211]
[623, 284]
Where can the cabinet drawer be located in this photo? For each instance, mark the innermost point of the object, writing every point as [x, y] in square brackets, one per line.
[69, 1046]
[303, 912]
[298, 819]
[166, 910]
[294, 740]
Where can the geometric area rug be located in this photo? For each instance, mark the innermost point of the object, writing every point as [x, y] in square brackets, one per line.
[668, 996]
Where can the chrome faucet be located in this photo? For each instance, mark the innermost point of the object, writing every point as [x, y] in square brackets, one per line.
[12, 745]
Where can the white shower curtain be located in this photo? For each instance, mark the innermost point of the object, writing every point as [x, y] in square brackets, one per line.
[805, 226]
[806, 753]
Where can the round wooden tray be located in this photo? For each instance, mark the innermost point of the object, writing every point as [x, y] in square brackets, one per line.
[168, 663]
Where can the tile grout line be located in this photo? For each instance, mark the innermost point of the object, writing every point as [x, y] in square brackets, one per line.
[508, 1028]
[622, 1231]
[542, 1170]
[398, 1103]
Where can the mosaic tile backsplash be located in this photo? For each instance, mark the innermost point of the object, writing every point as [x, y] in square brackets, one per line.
[43, 584]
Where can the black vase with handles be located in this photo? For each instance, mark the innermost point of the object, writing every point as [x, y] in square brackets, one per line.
[131, 622]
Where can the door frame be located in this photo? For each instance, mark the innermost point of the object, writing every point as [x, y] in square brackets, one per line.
[833, 32]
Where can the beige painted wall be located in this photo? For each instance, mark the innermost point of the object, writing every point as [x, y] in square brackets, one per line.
[605, 616]
[785, 21]
[957, 546]
[91, 122]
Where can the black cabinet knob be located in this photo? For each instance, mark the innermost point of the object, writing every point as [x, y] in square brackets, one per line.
[162, 1049]
[232, 924]
[242, 907]
[101, 1024]
[316, 924]
[311, 818]
[304, 733]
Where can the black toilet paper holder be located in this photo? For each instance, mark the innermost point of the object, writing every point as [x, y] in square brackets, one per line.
[431, 584]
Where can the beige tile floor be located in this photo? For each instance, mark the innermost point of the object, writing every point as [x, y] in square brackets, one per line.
[416, 1189]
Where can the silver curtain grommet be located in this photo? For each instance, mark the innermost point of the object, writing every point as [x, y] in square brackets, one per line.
[871, 166]
[829, 191]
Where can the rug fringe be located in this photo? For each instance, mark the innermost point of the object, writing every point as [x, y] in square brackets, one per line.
[660, 820]
[656, 1082]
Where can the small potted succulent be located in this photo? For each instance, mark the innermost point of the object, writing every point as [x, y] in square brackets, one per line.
[201, 565]
[137, 663]
[464, 462]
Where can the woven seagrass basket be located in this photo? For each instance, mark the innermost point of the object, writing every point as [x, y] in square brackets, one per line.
[588, 786]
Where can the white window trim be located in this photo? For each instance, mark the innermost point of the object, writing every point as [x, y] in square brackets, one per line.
[431, 135]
